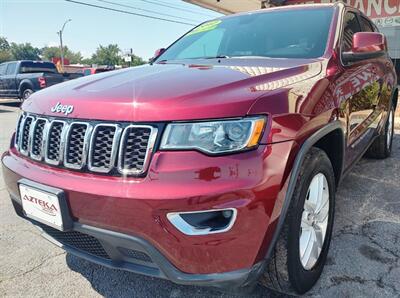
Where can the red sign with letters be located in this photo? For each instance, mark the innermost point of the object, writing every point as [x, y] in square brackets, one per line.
[372, 8]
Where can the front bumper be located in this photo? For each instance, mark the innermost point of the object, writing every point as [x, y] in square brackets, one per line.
[134, 210]
[121, 251]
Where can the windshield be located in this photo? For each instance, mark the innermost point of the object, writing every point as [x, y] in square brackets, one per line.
[33, 66]
[279, 34]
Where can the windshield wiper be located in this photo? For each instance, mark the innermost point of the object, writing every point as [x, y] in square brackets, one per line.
[217, 57]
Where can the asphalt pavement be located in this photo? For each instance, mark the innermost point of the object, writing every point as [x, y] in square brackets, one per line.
[364, 259]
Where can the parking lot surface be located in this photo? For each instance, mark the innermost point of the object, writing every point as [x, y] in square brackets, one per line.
[364, 259]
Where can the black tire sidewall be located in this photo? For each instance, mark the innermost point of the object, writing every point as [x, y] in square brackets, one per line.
[388, 149]
[24, 93]
[301, 279]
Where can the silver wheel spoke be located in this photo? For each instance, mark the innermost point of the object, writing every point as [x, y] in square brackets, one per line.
[322, 214]
[310, 255]
[312, 200]
[305, 239]
[319, 238]
[390, 129]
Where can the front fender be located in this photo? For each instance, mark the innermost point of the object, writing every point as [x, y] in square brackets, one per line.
[282, 207]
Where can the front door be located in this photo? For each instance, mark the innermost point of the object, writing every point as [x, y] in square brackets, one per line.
[9, 81]
[359, 89]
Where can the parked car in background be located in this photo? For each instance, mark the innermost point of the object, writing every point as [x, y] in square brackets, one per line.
[19, 79]
[217, 164]
[93, 70]
[72, 75]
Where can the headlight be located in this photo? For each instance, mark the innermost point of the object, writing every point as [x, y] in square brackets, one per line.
[216, 136]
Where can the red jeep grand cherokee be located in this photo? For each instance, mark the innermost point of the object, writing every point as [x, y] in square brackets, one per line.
[217, 163]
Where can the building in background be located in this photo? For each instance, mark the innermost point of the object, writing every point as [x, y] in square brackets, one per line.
[385, 14]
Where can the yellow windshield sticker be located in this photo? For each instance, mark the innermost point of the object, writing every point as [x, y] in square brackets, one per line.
[205, 27]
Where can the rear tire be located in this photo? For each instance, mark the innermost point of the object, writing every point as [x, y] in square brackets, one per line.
[288, 271]
[382, 147]
[26, 93]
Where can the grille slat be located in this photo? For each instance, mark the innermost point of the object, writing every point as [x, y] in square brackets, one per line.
[25, 135]
[18, 130]
[53, 147]
[81, 145]
[75, 145]
[134, 149]
[103, 148]
[37, 139]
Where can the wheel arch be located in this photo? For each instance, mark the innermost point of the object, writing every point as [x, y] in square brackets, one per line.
[333, 145]
[23, 85]
[322, 139]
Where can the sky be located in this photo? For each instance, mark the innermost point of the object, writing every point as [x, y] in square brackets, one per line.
[37, 22]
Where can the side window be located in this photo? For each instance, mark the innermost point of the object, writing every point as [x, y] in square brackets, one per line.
[11, 68]
[3, 69]
[366, 25]
[351, 26]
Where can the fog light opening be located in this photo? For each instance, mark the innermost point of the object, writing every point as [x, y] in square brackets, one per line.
[203, 222]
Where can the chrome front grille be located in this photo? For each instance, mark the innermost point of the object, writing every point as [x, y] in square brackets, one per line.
[93, 146]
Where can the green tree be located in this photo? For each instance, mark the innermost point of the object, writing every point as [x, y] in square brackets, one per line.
[107, 55]
[74, 57]
[136, 60]
[51, 52]
[24, 51]
[87, 61]
[5, 50]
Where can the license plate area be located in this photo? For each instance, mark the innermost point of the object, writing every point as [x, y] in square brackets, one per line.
[45, 204]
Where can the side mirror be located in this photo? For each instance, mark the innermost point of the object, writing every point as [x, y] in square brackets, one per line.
[157, 54]
[366, 45]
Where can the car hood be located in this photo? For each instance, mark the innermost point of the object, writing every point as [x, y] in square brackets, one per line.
[173, 91]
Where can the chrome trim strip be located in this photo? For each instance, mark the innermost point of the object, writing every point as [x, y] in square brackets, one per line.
[58, 161]
[45, 138]
[31, 130]
[18, 130]
[26, 152]
[86, 140]
[32, 136]
[178, 222]
[114, 148]
[150, 147]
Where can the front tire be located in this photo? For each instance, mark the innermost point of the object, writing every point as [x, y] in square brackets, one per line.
[382, 147]
[301, 251]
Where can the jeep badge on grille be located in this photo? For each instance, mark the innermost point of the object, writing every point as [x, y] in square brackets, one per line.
[65, 109]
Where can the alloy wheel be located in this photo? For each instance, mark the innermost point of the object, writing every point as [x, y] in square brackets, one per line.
[314, 221]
